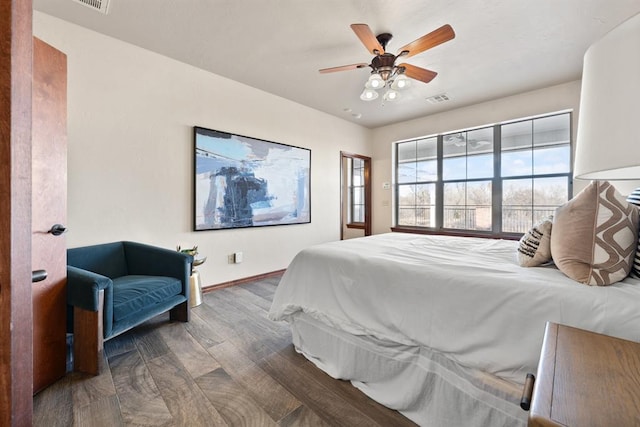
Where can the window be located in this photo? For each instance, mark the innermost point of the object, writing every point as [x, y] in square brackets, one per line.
[535, 166]
[495, 179]
[356, 190]
[417, 170]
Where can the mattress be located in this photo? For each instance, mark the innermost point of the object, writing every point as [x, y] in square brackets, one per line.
[464, 298]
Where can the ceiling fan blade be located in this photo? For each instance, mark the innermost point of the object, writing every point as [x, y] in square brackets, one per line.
[418, 73]
[343, 68]
[433, 39]
[367, 38]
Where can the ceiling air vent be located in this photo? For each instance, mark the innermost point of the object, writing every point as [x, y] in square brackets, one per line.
[438, 98]
[101, 6]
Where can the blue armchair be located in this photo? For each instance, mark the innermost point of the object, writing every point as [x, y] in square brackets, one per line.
[113, 287]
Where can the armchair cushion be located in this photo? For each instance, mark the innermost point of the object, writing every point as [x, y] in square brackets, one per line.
[134, 294]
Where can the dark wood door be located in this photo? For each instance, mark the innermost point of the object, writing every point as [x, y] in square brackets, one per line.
[49, 207]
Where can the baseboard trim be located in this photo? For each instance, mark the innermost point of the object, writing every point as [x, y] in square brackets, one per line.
[210, 288]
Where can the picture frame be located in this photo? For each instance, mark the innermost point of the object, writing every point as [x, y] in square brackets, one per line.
[241, 182]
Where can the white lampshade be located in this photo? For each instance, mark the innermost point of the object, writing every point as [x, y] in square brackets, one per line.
[608, 139]
[368, 95]
[401, 82]
[391, 95]
[374, 82]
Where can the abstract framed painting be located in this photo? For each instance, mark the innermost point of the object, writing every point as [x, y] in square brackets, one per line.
[242, 182]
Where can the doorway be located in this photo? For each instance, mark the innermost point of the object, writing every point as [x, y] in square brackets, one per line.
[355, 195]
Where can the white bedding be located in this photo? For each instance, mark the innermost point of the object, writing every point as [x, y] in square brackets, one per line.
[464, 298]
[425, 386]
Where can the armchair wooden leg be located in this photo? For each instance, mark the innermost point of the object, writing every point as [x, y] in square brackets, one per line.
[88, 338]
[180, 312]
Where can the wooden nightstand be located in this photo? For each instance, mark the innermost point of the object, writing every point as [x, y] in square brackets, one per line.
[586, 379]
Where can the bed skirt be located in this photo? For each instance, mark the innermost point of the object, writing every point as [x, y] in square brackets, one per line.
[425, 386]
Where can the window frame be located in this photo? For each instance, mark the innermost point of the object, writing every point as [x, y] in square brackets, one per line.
[496, 182]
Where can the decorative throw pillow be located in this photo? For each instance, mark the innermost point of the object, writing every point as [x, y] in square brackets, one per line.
[595, 235]
[634, 198]
[534, 248]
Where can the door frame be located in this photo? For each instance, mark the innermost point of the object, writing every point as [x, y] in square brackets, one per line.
[16, 351]
[367, 193]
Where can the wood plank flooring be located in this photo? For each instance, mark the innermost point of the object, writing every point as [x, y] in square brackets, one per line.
[229, 366]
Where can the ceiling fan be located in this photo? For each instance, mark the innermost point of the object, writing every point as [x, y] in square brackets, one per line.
[385, 72]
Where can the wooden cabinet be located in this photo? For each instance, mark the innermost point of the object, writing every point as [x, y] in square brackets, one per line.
[586, 379]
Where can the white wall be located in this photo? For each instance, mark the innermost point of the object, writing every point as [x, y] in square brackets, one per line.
[131, 114]
[556, 98]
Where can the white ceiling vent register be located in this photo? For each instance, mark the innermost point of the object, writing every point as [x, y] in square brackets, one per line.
[438, 98]
[101, 6]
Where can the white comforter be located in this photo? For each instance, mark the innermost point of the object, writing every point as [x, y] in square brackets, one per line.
[464, 297]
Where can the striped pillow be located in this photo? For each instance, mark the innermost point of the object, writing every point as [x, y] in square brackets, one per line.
[634, 199]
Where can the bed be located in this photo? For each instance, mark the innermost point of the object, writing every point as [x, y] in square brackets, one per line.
[443, 329]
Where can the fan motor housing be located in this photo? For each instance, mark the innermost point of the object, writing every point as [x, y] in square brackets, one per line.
[384, 60]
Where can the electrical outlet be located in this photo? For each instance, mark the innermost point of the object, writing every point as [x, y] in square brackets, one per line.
[238, 257]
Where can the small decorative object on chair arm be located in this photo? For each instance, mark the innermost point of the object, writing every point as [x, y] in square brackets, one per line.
[195, 283]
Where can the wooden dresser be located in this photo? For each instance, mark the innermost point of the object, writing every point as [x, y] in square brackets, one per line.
[586, 379]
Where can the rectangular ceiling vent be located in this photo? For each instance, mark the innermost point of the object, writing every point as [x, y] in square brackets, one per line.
[438, 98]
[101, 6]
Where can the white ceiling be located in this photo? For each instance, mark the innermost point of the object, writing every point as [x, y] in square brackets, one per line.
[502, 47]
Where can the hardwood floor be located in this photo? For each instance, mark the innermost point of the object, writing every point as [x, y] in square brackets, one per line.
[229, 366]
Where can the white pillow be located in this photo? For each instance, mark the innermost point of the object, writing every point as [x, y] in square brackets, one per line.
[534, 248]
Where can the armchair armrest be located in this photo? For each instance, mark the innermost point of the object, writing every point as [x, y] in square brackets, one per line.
[83, 288]
[154, 261]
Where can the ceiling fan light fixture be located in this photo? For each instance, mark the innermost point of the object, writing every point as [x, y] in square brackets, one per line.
[401, 82]
[368, 94]
[374, 82]
[391, 95]
[384, 71]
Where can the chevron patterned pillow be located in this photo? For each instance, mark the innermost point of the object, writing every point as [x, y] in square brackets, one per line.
[634, 198]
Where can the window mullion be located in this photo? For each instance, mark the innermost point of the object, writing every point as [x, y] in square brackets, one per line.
[496, 193]
[439, 185]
